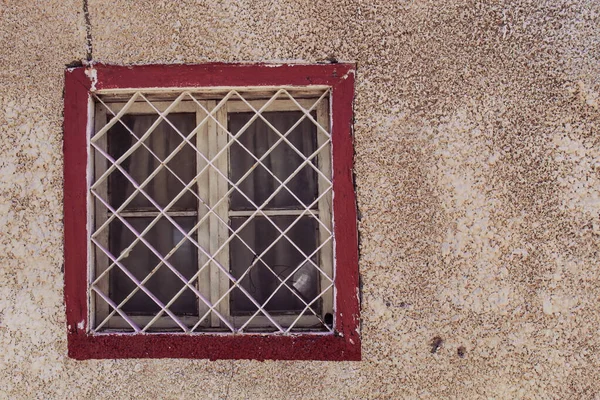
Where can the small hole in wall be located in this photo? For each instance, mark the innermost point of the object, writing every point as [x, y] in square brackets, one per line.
[461, 351]
[436, 343]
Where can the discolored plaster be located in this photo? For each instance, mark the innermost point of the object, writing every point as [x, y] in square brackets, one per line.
[477, 171]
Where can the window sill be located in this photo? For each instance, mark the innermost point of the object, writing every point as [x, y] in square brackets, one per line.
[318, 347]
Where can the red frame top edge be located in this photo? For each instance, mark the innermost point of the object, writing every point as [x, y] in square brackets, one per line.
[214, 74]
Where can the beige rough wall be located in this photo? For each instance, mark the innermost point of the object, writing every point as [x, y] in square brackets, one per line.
[478, 183]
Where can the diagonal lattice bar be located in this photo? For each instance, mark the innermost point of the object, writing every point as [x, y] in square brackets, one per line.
[163, 164]
[111, 303]
[258, 257]
[117, 117]
[258, 161]
[157, 254]
[307, 112]
[293, 290]
[139, 237]
[282, 137]
[145, 290]
[193, 181]
[307, 307]
[211, 210]
[136, 145]
[282, 184]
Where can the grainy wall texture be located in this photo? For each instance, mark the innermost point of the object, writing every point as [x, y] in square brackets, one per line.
[477, 141]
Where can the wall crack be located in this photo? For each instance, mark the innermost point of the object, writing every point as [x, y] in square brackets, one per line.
[88, 32]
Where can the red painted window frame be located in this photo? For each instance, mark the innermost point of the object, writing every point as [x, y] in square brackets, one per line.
[343, 345]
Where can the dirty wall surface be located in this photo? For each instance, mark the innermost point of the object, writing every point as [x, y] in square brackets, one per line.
[478, 186]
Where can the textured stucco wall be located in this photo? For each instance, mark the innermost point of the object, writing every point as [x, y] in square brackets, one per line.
[478, 183]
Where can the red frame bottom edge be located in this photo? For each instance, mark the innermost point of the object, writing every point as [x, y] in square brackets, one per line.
[214, 347]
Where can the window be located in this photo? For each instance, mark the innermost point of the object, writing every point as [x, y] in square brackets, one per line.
[209, 212]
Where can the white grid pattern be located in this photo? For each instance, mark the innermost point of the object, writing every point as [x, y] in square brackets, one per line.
[323, 217]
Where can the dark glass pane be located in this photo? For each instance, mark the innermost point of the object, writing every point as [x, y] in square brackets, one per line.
[282, 161]
[282, 258]
[141, 163]
[164, 284]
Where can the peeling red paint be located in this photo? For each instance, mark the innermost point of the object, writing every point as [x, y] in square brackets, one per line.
[218, 74]
[77, 87]
[214, 347]
[344, 345]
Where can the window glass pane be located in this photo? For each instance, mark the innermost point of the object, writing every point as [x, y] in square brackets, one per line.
[281, 162]
[140, 261]
[280, 261]
[165, 186]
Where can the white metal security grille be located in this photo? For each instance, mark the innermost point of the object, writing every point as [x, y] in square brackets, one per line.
[213, 282]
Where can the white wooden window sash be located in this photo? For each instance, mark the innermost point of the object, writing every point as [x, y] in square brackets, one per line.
[214, 282]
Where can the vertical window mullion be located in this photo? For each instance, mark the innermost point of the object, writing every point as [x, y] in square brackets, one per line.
[223, 209]
[212, 200]
[203, 232]
[220, 233]
[217, 140]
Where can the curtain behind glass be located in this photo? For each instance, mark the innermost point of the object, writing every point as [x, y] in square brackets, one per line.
[163, 236]
[282, 161]
[282, 258]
